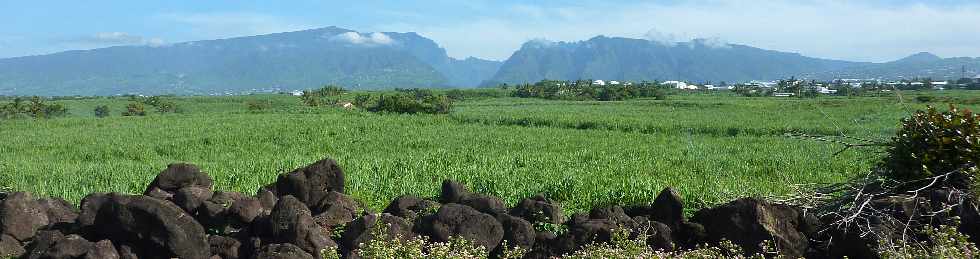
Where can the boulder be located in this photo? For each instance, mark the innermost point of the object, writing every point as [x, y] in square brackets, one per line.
[616, 214]
[484, 203]
[359, 230]
[969, 213]
[334, 209]
[175, 177]
[10, 247]
[102, 250]
[225, 247]
[126, 252]
[454, 220]
[453, 192]
[545, 246]
[21, 217]
[903, 207]
[748, 222]
[245, 210]
[689, 234]
[517, 231]
[668, 208]
[291, 222]
[55, 245]
[283, 251]
[212, 215]
[659, 235]
[838, 243]
[306, 183]
[410, 207]
[58, 210]
[539, 208]
[267, 198]
[94, 202]
[586, 232]
[190, 198]
[226, 198]
[149, 225]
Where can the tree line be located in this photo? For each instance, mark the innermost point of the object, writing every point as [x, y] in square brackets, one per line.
[411, 101]
[36, 107]
[588, 90]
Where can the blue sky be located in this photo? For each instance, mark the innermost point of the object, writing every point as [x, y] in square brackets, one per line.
[873, 30]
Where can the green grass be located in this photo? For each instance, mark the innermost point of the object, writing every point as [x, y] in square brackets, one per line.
[711, 147]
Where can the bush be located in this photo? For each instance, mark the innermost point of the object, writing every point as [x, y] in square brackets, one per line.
[934, 143]
[256, 106]
[102, 111]
[586, 90]
[167, 107]
[134, 109]
[404, 103]
[924, 99]
[942, 242]
[323, 96]
[361, 100]
[37, 108]
[383, 246]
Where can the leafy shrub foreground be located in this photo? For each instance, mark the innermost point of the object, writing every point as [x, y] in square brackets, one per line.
[940, 242]
[932, 143]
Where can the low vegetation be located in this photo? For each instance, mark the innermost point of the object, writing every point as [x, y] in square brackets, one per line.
[328, 95]
[588, 90]
[36, 107]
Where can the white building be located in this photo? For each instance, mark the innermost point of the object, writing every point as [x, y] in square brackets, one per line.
[713, 87]
[681, 85]
[825, 90]
[296, 93]
[614, 82]
[599, 82]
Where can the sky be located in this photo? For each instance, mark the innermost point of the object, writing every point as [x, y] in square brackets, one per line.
[870, 30]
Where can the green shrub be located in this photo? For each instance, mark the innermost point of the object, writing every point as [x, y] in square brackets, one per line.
[36, 108]
[384, 246]
[924, 99]
[942, 242]
[362, 100]
[932, 143]
[167, 107]
[102, 111]
[134, 109]
[404, 103]
[256, 106]
[328, 95]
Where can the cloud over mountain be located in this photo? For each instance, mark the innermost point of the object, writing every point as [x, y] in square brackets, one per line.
[356, 38]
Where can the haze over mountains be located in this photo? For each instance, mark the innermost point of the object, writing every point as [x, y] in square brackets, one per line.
[355, 60]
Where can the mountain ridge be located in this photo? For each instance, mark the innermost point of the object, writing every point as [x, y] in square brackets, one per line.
[287, 60]
[622, 58]
[376, 60]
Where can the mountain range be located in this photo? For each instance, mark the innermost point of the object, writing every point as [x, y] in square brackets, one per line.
[356, 60]
[290, 60]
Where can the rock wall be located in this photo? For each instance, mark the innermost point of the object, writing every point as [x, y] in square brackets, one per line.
[180, 216]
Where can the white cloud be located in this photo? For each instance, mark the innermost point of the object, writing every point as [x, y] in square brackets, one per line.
[233, 24]
[371, 39]
[660, 37]
[713, 42]
[113, 39]
[853, 30]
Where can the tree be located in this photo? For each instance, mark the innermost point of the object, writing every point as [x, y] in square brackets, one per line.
[102, 111]
[256, 106]
[134, 109]
[166, 106]
[361, 100]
